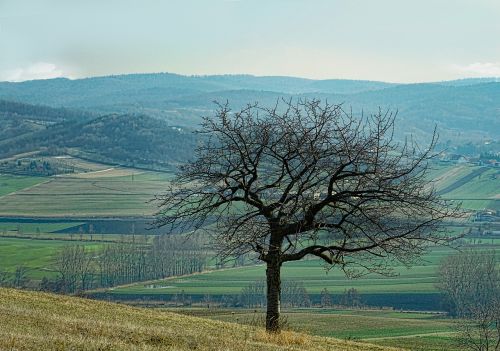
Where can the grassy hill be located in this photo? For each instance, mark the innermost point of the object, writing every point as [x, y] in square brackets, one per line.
[38, 321]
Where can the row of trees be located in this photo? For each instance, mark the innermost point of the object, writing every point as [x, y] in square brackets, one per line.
[294, 294]
[80, 268]
[16, 279]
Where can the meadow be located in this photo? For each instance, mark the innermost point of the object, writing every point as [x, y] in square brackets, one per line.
[36, 255]
[102, 191]
[105, 191]
[410, 288]
[39, 321]
[476, 187]
[115, 193]
[12, 183]
[415, 331]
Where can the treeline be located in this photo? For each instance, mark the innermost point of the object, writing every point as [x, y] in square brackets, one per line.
[41, 112]
[293, 294]
[19, 119]
[81, 268]
[35, 167]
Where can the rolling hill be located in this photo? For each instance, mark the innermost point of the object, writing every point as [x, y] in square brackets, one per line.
[39, 321]
[463, 110]
[134, 140]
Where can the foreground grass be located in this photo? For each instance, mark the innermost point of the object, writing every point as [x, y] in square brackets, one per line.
[415, 331]
[38, 321]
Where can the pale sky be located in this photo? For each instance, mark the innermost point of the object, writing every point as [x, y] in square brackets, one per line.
[388, 40]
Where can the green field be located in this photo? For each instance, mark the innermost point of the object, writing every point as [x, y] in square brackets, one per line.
[415, 331]
[127, 192]
[97, 194]
[115, 191]
[106, 192]
[421, 278]
[37, 255]
[11, 183]
[474, 192]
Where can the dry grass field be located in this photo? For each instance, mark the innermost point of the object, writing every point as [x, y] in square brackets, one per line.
[39, 321]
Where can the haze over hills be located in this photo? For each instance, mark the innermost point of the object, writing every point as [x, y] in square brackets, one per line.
[149, 117]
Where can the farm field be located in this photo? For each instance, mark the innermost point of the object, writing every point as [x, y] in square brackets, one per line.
[105, 191]
[477, 188]
[115, 191]
[419, 279]
[415, 331]
[11, 183]
[36, 255]
[100, 193]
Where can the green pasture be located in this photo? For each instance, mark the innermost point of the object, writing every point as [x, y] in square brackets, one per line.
[480, 192]
[420, 278]
[486, 185]
[36, 255]
[11, 183]
[445, 175]
[75, 238]
[130, 195]
[415, 331]
[480, 204]
[100, 196]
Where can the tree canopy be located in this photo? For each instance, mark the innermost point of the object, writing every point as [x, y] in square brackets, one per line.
[308, 178]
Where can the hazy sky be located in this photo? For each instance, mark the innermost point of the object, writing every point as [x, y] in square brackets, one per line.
[390, 40]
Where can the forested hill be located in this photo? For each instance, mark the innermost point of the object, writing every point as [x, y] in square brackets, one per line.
[19, 118]
[464, 110]
[133, 140]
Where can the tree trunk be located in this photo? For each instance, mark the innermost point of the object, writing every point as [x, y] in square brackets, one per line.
[273, 274]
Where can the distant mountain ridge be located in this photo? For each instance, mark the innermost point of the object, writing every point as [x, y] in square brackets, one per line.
[464, 111]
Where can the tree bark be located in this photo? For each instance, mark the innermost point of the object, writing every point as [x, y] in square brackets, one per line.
[273, 274]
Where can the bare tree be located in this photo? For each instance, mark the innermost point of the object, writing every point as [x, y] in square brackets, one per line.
[470, 281]
[4, 278]
[19, 278]
[73, 263]
[307, 178]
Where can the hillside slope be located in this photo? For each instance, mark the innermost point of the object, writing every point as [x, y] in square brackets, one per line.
[133, 140]
[38, 321]
[464, 109]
